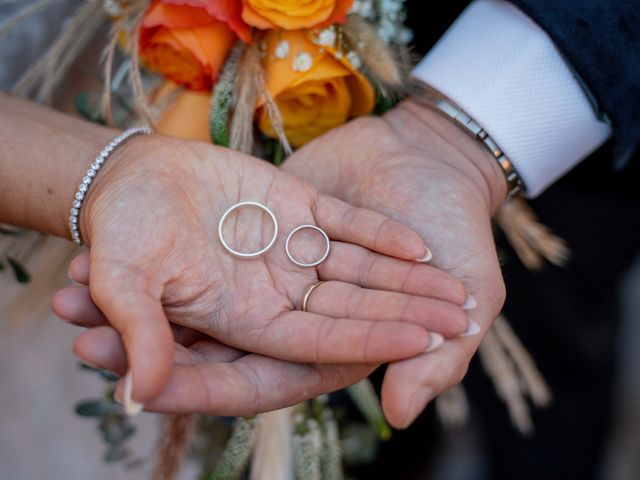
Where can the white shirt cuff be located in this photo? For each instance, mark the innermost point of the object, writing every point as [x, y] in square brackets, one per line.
[504, 71]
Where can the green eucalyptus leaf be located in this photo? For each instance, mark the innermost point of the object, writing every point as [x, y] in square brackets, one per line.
[116, 454]
[92, 408]
[118, 433]
[19, 270]
[85, 108]
[109, 376]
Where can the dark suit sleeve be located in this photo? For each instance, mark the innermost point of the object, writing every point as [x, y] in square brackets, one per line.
[600, 39]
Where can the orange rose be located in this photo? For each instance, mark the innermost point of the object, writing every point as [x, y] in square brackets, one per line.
[188, 40]
[315, 88]
[294, 14]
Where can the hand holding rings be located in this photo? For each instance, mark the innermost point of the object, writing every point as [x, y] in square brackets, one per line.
[249, 255]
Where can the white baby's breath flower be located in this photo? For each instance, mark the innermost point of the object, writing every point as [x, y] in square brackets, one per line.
[354, 59]
[327, 37]
[282, 50]
[302, 62]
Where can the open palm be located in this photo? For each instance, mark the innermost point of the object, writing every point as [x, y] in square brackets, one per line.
[422, 171]
[151, 221]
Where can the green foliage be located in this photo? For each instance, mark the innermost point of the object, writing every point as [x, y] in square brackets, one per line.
[384, 103]
[221, 102]
[366, 400]
[91, 110]
[237, 453]
[222, 99]
[331, 460]
[19, 270]
[359, 444]
[108, 376]
[92, 408]
[115, 427]
[307, 448]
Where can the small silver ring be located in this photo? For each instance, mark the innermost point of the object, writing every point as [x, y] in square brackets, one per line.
[317, 262]
[251, 254]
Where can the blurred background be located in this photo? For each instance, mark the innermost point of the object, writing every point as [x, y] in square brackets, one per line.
[581, 324]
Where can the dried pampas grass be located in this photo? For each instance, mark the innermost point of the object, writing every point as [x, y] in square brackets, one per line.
[385, 68]
[272, 455]
[532, 241]
[452, 407]
[47, 73]
[22, 14]
[514, 375]
[249, 80]
[173, 445]
[107, 63]
[141, 101]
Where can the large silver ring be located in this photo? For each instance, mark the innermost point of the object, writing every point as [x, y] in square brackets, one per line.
[250, 254]
[317, 262]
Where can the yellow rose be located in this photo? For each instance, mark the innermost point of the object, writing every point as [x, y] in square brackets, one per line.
[294, 14]
[314, 88]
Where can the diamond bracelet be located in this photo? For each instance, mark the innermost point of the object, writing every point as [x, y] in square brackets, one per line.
[107, 151]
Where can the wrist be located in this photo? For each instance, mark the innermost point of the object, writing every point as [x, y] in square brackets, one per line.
[470, 157]
[120, 168]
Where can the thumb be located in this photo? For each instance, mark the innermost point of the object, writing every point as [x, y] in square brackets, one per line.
[139, 318]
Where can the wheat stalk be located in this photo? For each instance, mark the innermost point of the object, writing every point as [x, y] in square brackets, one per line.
[380, 63]
[531, 240]
[26, 12]
[51, 68]
[173, 445]
[247, 88]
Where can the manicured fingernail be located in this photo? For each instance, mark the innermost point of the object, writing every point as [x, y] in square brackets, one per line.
[419, 401]
[131, 407]
[472, 329]
[428, 256]
[470, 303]
[436, 341]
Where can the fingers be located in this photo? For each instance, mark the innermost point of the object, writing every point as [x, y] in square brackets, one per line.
[359, 266]
[74, 305]
[307, 337]
[251, 385]
[409, 385]
[344, 300]
[139, 318]
[78, 270]
[102, 348]
[369, 229]
[221, 381]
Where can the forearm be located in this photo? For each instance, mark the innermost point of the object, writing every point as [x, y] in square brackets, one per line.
[43, 157]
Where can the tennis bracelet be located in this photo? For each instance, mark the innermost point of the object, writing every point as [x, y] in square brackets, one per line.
[103, 156]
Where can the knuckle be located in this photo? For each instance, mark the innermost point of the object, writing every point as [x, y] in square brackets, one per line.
[365, 268]
[348, 218]
[459, 291]
[354, 303]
